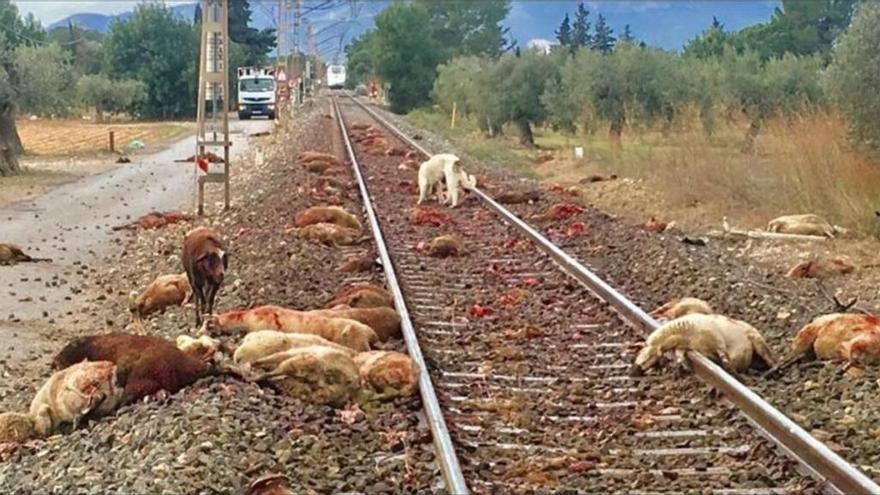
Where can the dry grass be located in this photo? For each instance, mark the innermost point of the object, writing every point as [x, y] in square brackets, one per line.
[84, 138]
[799, 166]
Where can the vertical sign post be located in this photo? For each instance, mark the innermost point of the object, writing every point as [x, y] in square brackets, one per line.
[212, 117]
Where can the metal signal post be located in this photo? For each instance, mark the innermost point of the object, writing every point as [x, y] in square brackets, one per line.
[212, 116]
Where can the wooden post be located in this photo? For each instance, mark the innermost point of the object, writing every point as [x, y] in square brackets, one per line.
[112, 142]
[452, 123]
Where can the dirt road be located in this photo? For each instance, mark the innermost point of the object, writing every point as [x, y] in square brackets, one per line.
[72, 225]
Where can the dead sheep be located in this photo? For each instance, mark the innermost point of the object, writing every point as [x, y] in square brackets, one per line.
[444, 246]
[820, 267]
[320, 168]
[388, 373]
[270, 484]
[517, 197]
[73, 392]
[359, 263]
[807, 224]
[732, 342]
[327, 214]
[146, 364]
[10, 254]
[560, 211]
[383, 320]
[362, 295]
[677, 308]
[316, 374]
[16, 427]
[308, 157]
[330, 234]
[348, 333]
[166, 290]
[258, 345]
[202, 348]
[837, 337]
[597, 178]
[155, 220]
[655, 226]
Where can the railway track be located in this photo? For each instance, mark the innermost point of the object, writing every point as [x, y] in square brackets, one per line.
[529, 352]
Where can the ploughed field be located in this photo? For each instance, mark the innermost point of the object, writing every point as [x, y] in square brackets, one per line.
[79, 137]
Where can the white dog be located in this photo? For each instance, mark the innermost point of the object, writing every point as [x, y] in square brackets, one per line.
[444, 165]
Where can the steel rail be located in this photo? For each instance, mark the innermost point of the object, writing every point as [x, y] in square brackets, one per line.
[824, 463]
[449, 464]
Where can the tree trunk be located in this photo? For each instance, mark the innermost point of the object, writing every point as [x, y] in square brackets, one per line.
[614, 133]
[8, 131]
[751, 136]
[526, 138]
[10, 143]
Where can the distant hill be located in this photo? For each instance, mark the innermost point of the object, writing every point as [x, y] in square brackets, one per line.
[101, 22]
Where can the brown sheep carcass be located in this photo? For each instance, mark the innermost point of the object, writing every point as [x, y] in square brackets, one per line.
[327, 214]
[820, 267]
[330, 234]
[388, 373]
[349, 333]
[10, 253]
[362, 295]
[166, 290]
[145, 364]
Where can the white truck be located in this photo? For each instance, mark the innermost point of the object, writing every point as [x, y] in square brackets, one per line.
[256, 92]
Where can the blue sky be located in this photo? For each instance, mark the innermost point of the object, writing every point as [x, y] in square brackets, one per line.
[667, 24]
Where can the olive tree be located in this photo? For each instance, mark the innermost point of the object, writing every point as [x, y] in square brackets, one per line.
[113, 96]
[853, 78]
[47, 79]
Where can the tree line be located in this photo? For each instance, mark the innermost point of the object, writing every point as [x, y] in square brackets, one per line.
[145, 66]
[808, 55]
[411, 39]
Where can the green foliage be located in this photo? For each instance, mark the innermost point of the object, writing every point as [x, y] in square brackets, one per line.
[404, 55]
[518, 83]
[853, 77]
[412, 38]
[105, 95]
[160, 50]
[83, 45]
[799, 27]
[465, 27]
[359, 59]
[564, 33]
[602, 39]
[47, 79]
[580, 36]
[255, 43]
[710, 43]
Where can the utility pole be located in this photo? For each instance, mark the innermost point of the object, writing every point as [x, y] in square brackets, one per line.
[212, 124]
[281, 32]
[297, 20]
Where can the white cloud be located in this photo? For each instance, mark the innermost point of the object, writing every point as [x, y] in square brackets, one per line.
[50, 11]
